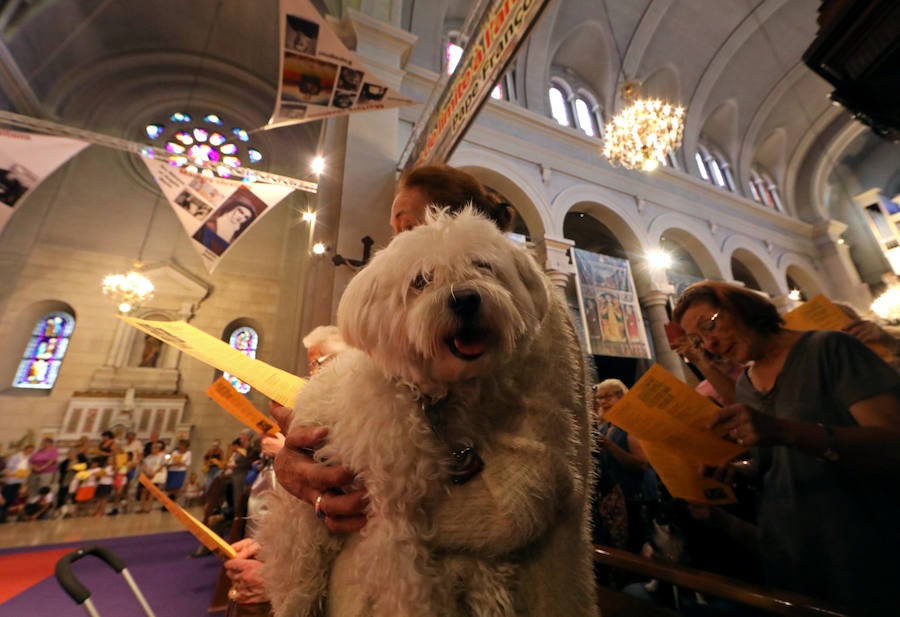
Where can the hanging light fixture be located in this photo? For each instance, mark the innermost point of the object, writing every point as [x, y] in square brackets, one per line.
[644, 132]
[132, 289]
[128, 290]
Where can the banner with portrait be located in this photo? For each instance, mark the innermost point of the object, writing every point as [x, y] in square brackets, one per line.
[610, 309]
[25, 160]
[320, 77]
[214, 211]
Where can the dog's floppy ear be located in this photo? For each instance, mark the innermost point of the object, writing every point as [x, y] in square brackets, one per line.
[352, 310]
[535, 281]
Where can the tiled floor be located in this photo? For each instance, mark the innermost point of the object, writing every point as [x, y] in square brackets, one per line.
[54, 531]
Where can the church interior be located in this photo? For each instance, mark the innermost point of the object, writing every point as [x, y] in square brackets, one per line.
[781, 181]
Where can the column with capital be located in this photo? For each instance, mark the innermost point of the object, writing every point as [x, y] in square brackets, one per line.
[558, 263]
[653, 302]
[839, 269]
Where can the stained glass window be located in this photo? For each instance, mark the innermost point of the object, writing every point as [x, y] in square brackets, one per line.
[199, 149]
[44, 353]
[245, 340]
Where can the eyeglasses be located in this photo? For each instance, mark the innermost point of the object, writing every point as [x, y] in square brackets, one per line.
[318, 362]
[706, 326]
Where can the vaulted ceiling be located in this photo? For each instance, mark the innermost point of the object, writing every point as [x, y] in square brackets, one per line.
[111, 66]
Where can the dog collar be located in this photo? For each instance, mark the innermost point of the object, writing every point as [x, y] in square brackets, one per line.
[464, 463]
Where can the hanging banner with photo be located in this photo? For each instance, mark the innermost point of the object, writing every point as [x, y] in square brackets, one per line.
[501, 31]
[320, 77]
[610, 310]
[25, 160]
[214, 211]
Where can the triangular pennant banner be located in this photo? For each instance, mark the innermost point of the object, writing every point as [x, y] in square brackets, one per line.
[320, 77]
[214, 212]
[25, 160]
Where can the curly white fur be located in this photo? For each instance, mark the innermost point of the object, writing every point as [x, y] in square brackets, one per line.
[450, 314]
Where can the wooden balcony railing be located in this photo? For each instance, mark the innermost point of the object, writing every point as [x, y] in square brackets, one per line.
[762, 598]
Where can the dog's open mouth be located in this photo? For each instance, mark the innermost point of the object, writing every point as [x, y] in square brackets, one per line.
[468, 344]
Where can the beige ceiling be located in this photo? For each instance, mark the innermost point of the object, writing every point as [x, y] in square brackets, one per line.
[111, 66]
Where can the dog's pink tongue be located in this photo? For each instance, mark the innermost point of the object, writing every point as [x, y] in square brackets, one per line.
[473, 348]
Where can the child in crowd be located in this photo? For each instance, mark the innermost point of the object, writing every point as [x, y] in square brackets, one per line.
[154, 467]
[17, 504]
[193, 491]
[120, 479]
[84, 485]
[105, 479]
[39, 505]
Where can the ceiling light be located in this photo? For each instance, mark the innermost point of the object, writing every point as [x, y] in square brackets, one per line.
[318, 165]
[128, 290]
[659, 260]
[642, 133]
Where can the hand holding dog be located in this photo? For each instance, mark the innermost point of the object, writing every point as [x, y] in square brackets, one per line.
[342, 505]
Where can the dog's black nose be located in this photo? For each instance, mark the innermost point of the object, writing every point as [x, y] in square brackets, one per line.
[464, 303]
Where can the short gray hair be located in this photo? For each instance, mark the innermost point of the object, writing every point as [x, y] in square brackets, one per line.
[327, 339]
[618, 384]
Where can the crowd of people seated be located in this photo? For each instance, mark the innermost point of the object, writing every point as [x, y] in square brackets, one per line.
[96, 479]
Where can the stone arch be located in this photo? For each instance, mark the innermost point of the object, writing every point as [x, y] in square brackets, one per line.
[524, 191]
[720, 129]
[621, 209]
[615, 212]
[825, 162]
[803, 272]
[700, 98]
[801, 197]
[652, 17]
[694, 238]
[594, 70]
[771, 154]
[664, 83]
[535, 61]
[748, 252]
[749, 145]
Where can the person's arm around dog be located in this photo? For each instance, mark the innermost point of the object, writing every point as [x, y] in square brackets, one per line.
[342, 508]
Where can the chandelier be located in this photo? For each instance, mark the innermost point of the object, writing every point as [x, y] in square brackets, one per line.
[128, 290]
[643, 132]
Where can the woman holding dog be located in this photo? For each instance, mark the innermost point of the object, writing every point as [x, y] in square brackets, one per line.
[340, 505]
[823, 414]
[524, 507]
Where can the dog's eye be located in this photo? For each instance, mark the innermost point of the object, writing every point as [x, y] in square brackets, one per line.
[420, 282]
[484, 266]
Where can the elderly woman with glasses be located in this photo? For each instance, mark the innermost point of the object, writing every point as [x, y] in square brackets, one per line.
[823, 412]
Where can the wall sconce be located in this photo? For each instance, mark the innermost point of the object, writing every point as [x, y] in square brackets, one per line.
[355, 264]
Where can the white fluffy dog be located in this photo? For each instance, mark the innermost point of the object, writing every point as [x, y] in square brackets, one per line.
[462, 410]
